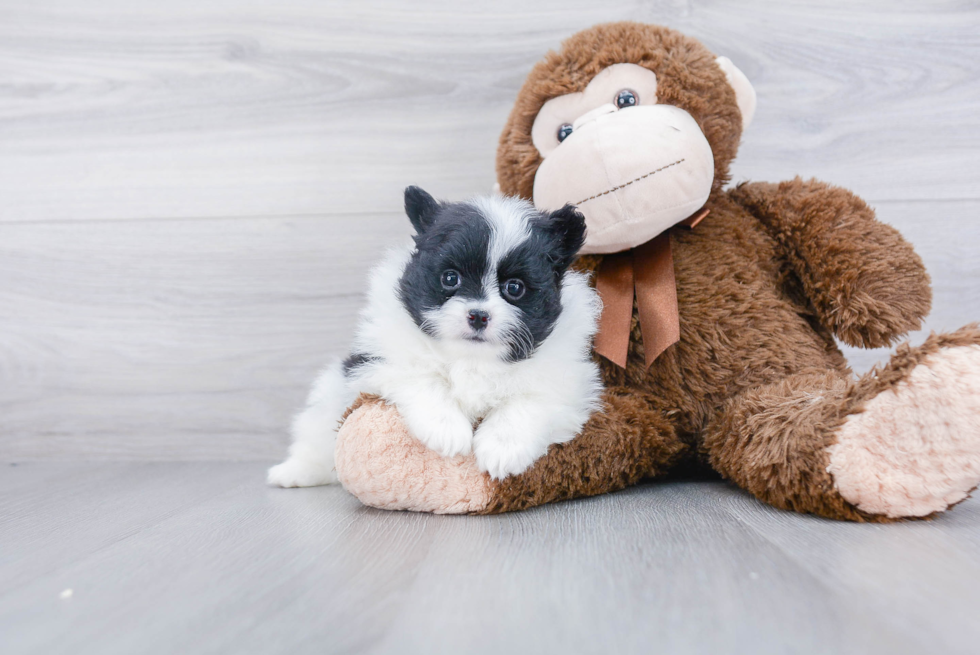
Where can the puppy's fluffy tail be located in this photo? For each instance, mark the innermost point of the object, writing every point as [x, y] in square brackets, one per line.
[314, 431]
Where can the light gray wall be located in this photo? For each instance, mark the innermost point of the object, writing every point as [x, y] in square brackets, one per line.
[191, 192]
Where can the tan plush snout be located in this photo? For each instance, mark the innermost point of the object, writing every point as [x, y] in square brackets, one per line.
[632, 172]
[590, 116]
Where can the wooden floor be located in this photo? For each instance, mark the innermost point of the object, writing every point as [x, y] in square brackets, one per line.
[202, 558]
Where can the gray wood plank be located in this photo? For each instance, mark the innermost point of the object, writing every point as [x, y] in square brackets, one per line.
[173, 339]
[919, 576]
[186, 109]
[643, 569]
[682, 567]
[55, 514]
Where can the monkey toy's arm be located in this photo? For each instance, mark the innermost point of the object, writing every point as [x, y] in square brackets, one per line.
[865, 282]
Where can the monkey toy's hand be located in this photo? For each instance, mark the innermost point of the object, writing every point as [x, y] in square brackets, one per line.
[864, 281]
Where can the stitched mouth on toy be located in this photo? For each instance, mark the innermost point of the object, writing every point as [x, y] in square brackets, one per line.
[626, 184]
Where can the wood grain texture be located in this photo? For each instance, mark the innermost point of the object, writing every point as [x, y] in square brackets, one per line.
[174, 339]
[192, 192]
[227, 565]
[189, 109]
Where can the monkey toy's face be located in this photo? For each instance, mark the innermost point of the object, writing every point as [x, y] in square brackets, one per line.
[632, 166]
[629, 127]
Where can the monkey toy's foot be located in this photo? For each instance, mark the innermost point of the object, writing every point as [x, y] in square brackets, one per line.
[384, 466]
[915, 448]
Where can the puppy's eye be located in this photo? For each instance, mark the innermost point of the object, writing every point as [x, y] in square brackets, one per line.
[564, 131]
[626, 98]
[451, 280]
[514, 289]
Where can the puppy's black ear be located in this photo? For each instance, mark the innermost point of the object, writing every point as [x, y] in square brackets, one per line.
[567, 225]
[421, 208]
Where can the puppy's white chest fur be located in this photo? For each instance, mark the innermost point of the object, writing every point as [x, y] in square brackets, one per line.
[478, 387]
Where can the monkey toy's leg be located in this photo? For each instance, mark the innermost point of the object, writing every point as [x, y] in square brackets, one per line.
[903, 441]
[622, 444]
[384, 467]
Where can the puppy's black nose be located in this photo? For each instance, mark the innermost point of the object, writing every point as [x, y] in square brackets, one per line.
[478, 319]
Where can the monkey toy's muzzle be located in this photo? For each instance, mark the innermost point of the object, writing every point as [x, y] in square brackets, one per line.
[633, 173]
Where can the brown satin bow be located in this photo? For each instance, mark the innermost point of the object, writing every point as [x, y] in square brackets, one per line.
[649, 270]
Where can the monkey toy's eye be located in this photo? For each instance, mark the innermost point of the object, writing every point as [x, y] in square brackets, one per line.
[514, 289]
[626, 98]
[451, 280]
[564, 131]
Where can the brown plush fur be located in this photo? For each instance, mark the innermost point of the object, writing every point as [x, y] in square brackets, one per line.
[821, 231]
[756, 386]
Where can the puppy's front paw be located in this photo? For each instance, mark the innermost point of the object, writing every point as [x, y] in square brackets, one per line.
[503, 453]
[300, 472]
[447, 433]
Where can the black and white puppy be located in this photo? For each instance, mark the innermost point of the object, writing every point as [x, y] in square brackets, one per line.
[479, 321]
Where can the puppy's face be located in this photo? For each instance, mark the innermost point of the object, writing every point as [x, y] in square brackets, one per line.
[488, 271]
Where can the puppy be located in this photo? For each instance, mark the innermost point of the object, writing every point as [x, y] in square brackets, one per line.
[481, 323]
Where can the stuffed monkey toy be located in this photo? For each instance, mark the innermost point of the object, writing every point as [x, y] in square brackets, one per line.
[721, 307]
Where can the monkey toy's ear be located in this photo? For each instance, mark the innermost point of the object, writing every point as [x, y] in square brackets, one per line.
[421, 208]
[744, 93]
[567, 225]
